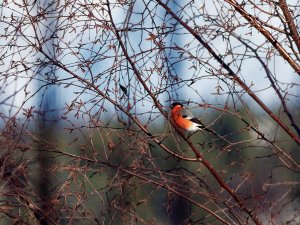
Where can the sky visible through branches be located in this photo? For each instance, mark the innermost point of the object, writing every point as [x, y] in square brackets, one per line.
[86, 134]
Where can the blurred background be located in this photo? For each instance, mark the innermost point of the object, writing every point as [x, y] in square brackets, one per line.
[86, 136]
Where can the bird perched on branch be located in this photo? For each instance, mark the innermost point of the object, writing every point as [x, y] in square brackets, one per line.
[185, 119]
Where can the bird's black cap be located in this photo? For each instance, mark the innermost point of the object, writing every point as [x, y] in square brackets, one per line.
[175, 104]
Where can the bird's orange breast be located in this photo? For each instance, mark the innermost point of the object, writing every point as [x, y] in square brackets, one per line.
[179, 120]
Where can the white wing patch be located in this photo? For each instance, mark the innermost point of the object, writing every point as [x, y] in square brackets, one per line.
[194, 127]
[196, 123]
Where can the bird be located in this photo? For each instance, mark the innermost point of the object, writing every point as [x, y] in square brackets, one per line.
[185, 119]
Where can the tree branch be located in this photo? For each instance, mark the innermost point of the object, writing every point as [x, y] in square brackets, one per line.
[266, 33]
[232, 74]
[293, 29]
[199, 156]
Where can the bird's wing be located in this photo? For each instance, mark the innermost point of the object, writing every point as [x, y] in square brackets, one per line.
[195, 120]
[188, 115]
